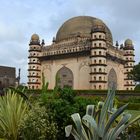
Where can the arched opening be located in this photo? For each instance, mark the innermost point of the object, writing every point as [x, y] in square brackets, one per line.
[112, 79]
[64, 78]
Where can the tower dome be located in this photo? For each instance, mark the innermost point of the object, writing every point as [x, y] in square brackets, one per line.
[35, 37]
[83, 25]
[128, 42]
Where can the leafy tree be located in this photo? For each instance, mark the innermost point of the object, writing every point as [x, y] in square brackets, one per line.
[135, 73]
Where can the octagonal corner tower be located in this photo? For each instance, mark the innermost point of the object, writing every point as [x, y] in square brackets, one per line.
[81, 25]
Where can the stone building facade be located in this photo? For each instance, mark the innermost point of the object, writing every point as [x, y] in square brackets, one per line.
[82, 56]
[7, 76]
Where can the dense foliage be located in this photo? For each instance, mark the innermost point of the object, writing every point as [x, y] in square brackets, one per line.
[12, 111]
[61, 104]
[136, 72]
[46, 114]
[37, 125]
[101, 122]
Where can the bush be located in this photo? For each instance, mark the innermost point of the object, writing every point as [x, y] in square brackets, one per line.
[137, 88]
[37, 125]
[61, 104]
[12, 111]
[131, 106]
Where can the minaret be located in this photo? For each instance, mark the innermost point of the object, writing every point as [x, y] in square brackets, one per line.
[98, 57]
[129, 83]
[34, 70]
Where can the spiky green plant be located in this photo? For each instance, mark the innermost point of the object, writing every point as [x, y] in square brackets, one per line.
[12, 110]
[101, 122]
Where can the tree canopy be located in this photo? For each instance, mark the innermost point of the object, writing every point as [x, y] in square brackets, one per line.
[136, 72]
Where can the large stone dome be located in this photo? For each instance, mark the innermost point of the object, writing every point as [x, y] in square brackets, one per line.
[81, 25]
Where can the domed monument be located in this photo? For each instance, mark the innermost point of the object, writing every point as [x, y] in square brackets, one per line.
[81, 56]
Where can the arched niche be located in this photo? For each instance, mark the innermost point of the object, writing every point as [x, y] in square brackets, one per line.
[112, 79]
[64, 77]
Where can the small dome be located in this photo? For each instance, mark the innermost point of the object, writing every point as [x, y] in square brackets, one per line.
[128, 42]
[35, 37]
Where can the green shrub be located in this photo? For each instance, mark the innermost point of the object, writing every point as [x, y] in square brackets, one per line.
[137, 88]
[131, 106]
[101, 122]
[37, 125]
[12, 111]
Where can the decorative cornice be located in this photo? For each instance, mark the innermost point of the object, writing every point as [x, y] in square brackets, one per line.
[94, 73]
[34, 70]
[98, 81]
[34, 50]
[34, 83]
[129, 54]
[34, 43]
[33, 56]
[36, 63]
[103, 48]
[130, 61]
[130, 85]
[114, 58]
[98, 56]
[128, 66]
[34, 76]
[128, 48]
[98, 64]
[98, 39]
[65, 55]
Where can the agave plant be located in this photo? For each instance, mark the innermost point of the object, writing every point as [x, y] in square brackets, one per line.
[12, 110]
[101, 122]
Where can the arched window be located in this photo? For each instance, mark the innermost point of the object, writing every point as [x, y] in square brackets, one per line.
[112, 79]
[100, 70]
[64, 77]
[100, 86]
[100, 78]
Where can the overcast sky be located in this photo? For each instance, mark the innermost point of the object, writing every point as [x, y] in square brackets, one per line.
[19, 19]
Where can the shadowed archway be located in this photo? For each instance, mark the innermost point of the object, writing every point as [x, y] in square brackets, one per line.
[112, 79]
[64, 77]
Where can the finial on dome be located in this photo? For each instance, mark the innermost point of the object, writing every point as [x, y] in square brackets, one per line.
[54, 40]
[117, 44]
[43, 42]
[121, 46]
